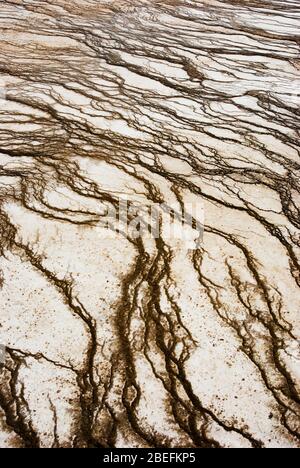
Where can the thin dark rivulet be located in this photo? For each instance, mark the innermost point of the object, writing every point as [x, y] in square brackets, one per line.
[108, 339]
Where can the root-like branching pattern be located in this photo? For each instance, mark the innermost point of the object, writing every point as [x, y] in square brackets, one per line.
[112, 339]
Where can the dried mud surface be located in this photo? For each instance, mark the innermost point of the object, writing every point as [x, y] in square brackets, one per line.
[118, 341]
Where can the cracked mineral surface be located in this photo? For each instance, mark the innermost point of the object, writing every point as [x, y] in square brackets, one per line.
[117, 337]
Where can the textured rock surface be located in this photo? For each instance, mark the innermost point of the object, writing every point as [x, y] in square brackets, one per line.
[108, 339]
